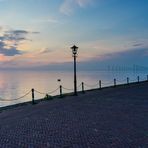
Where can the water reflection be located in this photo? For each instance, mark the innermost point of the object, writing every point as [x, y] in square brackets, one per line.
[14, 84]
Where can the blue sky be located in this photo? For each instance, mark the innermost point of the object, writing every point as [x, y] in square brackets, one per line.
[38, 33]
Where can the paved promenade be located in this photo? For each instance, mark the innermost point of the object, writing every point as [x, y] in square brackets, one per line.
[108, 118]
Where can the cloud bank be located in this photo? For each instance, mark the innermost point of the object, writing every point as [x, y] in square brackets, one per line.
[11, 39]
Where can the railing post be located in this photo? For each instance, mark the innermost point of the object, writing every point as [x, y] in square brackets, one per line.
[114, 82]
[100, 84]
[61, 91]
[127, 80]
[33, 96]
[82, 87]
[138, 78]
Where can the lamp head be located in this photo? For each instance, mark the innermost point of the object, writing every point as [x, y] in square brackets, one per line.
[74, 49]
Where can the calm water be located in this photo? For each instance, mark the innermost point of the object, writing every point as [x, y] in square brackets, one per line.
[14, 84]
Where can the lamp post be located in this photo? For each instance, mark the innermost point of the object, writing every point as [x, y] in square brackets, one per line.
[74, 52]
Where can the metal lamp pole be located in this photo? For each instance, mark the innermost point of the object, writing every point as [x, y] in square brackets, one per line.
[74, 52]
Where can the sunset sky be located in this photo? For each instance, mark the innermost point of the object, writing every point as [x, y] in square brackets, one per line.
[38, 33]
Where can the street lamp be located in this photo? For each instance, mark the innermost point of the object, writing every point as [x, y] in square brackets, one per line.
[74, 52]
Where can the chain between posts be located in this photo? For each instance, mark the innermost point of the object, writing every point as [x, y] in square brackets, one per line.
[79, 86]
[124, 80]
[53, 91]
[99, 84]
[107, 83]
[42, 93]
[67, 88]
[90, 85]
[133, 80]
[16, 98]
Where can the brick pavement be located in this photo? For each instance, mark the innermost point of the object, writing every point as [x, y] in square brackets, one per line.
[108, 118]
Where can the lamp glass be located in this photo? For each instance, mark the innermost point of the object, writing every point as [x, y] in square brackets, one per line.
[74, 50]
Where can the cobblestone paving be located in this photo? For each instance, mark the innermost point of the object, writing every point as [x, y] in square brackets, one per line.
[108, 118]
